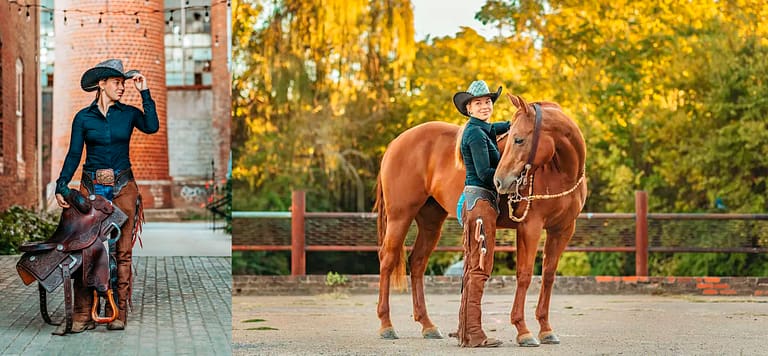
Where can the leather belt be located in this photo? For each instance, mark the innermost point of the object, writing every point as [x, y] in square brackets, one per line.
[121, 180]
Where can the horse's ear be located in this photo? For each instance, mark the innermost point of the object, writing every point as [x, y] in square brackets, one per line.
[518, 102]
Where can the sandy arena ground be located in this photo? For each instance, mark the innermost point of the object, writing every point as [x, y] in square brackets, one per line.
[587, 325]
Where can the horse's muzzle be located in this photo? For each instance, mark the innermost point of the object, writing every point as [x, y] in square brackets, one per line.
[505, 185]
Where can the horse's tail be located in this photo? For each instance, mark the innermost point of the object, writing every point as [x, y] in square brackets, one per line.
[457, 150]
[398, 274]
[378, 206]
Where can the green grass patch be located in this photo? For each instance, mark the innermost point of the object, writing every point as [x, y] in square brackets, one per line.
[262, 328]
[253, 320]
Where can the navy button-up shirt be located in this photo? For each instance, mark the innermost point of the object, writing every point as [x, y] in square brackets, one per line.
[106, 138]
[481, 152]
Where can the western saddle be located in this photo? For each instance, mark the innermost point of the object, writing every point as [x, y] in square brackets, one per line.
[83, 242]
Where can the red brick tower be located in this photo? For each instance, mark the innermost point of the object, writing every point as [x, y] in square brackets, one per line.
[96, 30]
[222, 87]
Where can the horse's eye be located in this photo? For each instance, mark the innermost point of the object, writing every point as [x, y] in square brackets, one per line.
[519, 141]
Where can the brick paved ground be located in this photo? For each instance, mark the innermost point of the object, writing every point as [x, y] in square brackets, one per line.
[182, 305]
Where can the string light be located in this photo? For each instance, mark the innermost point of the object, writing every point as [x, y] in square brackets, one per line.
[67, 12]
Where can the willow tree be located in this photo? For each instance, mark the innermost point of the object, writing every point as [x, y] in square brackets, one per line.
[314, 83]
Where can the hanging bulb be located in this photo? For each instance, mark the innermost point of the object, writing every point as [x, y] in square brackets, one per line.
[137, 21]
[206, 18]
[28, 13]
[19, 11]
[101, 13]
[50, 17]
[82, 22]
[65, 17]
[170, 21]
[145, 33]
[217, 41]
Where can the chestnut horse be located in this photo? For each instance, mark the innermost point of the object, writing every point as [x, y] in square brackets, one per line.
[419, 179]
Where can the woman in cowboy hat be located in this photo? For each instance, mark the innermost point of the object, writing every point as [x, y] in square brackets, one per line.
[478, 207]
[105, 127]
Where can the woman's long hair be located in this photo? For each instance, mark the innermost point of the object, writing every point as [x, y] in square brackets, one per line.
[457, 150]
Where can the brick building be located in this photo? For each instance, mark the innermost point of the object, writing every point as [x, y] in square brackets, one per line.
[181, 47]
[20, 165]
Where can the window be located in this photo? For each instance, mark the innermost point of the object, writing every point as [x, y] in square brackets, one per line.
[187, 42]
[19, 110]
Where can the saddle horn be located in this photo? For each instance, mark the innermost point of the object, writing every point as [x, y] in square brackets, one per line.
[77, 200]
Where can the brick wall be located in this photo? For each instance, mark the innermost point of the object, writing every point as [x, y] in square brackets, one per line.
[82, 43]
[19, 40]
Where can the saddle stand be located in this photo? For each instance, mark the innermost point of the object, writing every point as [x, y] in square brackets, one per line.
[83, 242]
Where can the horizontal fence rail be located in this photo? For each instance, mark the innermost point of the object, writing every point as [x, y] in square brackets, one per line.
[638, 233]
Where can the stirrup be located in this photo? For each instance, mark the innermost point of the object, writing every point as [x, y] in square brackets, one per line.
[95, 316]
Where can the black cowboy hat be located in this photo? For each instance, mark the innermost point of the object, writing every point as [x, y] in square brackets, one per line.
[111, 68]
[477, 89]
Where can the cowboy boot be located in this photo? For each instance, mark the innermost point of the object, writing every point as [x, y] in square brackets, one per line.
[126, 201]
[81, 309]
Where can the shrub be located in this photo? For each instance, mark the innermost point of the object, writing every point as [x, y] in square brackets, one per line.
[19, 225]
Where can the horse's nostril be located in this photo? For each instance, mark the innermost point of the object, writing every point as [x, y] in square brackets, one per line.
[498, 183]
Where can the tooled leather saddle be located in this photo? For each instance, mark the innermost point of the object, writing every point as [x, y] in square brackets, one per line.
[83, 242]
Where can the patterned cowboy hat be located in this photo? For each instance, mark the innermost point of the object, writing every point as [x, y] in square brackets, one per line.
[477, 89]
[111, 68]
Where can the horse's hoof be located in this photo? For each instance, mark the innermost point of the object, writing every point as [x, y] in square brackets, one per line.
[527, 340]
[432, 333]
[549, 337]
[388, 333]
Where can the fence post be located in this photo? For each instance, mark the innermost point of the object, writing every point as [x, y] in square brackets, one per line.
[298, 251]
[641, 233]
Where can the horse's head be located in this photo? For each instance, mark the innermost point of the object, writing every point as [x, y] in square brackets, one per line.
[528, 146]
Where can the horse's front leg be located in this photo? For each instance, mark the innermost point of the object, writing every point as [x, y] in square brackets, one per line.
[528, 235]
[553, 249]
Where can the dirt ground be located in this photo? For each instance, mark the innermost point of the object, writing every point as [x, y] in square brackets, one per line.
[586, 324]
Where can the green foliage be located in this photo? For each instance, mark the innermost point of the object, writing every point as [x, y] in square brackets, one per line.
[611, 263]
[333, 279]
[19, 225]
[574, 264]
[710, 264]
[261, 263]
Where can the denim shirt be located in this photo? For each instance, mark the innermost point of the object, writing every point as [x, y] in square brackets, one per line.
[106, 138]
[481, 152]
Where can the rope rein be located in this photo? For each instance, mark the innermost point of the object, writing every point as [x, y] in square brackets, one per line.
[517, 197]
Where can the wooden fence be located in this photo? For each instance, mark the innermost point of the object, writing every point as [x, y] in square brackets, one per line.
[641, 232]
